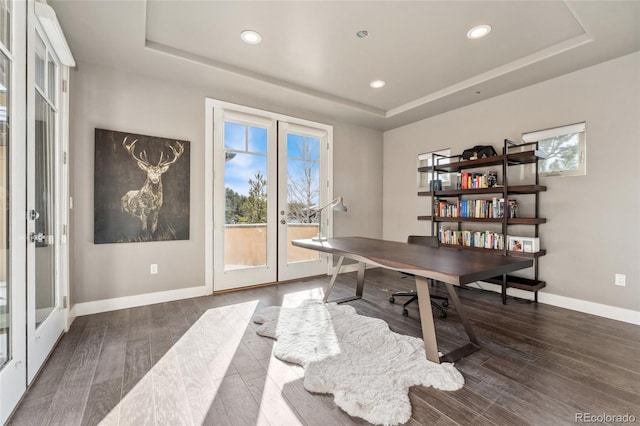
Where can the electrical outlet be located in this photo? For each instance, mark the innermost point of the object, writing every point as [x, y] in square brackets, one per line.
[621, 280]
[153, 269]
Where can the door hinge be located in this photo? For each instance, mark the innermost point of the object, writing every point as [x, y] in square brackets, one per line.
[64, 302]
[64, 157]
[64, 86]
[64, 229]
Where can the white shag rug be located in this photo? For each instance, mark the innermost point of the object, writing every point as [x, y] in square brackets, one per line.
[367, 367]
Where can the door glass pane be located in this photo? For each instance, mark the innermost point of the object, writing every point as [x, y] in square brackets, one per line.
[41, 54]
[245, 182]
[52, 89]
[44, 224]
[303, 194]
[5, 23]
[5, 288]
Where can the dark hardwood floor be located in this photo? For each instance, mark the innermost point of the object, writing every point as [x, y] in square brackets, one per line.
[199, 361]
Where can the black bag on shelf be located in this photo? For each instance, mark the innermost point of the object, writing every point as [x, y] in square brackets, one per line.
[480, 151]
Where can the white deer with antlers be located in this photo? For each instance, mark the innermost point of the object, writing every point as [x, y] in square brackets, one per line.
[145, 203]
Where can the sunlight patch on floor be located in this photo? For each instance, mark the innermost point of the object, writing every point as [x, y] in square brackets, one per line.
[274, 404]
[181, 387]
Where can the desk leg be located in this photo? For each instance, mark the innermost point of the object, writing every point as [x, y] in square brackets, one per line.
[473, 344]
[333, 279]
[461, 314]
[426, 320]
[359, 284]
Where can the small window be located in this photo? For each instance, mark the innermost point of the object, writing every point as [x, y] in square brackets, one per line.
[565, 148]
[425, 160]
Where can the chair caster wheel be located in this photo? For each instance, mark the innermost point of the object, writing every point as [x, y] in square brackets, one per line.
[443, 315]
[405, 313]
[392, 299]
[445, 303]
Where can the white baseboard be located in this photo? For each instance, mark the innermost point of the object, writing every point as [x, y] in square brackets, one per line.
[106, 305]
[598, 309]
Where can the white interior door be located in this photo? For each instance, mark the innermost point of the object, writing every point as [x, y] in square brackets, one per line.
[45, 313]
[303, 187]
[12, 202]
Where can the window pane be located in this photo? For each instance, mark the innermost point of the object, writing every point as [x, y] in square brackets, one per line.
[303, 193]
[44, 224]
[52, 91]
[563, 153]
[5, 287]
[41, 54]
[258, 140]
[235, 136]
[5, 23]
[245, 241]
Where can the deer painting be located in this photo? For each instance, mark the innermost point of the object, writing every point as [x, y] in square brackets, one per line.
[145, 203]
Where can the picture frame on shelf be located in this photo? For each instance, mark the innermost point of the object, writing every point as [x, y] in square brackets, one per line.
[523, 244]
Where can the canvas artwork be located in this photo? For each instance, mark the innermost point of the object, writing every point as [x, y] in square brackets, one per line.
[141, 188]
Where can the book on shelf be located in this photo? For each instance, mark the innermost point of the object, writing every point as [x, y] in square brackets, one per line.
[468, 238]
[480, 209]
[474, 180]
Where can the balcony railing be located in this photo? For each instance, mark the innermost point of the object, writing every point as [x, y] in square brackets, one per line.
[245, 245]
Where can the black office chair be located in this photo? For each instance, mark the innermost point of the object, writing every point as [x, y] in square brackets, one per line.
[425, 241]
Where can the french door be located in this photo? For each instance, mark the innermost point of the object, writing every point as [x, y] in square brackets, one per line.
[270, 174]
[46, 315]
[13, 352]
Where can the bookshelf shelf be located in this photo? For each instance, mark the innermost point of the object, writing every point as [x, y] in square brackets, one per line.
[510, 221]
[452, 202]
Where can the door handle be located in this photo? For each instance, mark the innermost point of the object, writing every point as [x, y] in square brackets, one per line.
[40, 238]
[33, 215]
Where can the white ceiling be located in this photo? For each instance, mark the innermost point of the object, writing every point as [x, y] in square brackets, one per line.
[311, 60]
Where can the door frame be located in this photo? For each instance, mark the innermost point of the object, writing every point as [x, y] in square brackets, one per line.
[210, 128]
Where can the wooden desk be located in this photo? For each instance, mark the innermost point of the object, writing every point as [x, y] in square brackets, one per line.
[453, 267]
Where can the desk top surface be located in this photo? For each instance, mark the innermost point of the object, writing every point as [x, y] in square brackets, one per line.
[444, 264]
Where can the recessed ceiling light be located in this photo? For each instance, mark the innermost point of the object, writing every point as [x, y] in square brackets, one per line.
[251, 37]
[479, 31]
[376, 84]
[362, 34]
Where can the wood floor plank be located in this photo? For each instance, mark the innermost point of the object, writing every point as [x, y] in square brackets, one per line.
[69, 402]
[238, 402]
[136, 364]
[170, 400]
[199, 361]
[103, 398]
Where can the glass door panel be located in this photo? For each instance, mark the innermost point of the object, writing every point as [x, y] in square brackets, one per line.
[246, 204]
[45, 218]
[244, 223]
[302, 169]
[45, 314]
[303, 194]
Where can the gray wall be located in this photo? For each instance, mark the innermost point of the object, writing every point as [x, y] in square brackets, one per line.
[110, 99]
[593, 225]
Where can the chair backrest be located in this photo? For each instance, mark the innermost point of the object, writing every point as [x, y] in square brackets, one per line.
[423, 240]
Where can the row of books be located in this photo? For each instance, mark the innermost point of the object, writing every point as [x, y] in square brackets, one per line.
[482, 239]
[494, 208]
[473, 180]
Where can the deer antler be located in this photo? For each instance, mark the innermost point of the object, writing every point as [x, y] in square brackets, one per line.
[177, 152]
[130, 149]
